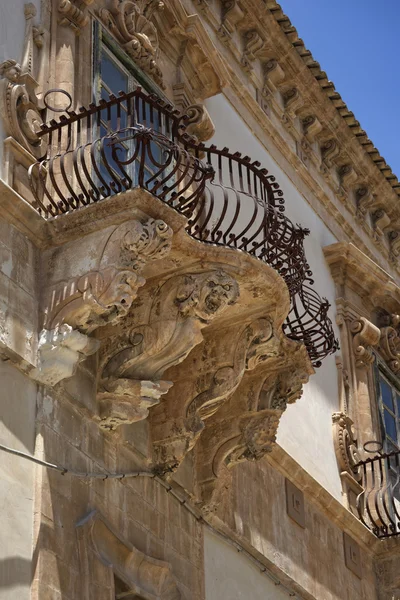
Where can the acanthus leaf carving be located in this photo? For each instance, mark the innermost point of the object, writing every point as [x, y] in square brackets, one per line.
[345, 443]
[130, 22]
[366, 336]
[74, 16]
[182, 307]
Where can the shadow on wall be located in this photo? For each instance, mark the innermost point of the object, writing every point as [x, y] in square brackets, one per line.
[15, 571]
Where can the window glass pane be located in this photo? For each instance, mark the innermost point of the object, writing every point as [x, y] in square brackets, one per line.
[386, 392]
[398, 404]
[390, 425]
[114, 78]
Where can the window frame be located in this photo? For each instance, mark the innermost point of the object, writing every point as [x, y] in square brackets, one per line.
[382, 370]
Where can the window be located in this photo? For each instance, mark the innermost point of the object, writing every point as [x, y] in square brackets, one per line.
[114, 71]
[389, 404]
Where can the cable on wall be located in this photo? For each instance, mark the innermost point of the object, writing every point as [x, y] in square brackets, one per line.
[170, 490]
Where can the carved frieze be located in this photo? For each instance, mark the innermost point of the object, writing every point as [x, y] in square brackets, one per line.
[130, 21]
[365, 336]
[345, 444]
[136, 360]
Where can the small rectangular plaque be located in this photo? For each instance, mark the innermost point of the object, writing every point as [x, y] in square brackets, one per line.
[295, 503]
[352, 555]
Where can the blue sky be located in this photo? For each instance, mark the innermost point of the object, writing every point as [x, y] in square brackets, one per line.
[357, 43]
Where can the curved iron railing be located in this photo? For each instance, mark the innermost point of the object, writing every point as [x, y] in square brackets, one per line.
[137, 140]
[378, 504]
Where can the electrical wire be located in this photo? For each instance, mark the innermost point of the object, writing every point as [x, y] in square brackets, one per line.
[170, 490]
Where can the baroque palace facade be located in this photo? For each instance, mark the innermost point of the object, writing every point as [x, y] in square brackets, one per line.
[199, 311]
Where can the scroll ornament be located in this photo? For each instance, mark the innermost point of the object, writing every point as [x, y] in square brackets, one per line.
[130, 22]
[366, 336]
[133, 365]
[20, 109]
[345, 443]
[389, 343]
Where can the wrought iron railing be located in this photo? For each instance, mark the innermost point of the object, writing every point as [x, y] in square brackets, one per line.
[378, 504]
[137, 140]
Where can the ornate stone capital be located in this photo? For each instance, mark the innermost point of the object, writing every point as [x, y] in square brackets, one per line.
[130, 22]
[345, 444]
[365, 337]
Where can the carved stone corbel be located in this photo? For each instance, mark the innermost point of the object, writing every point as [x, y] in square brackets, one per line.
[381, 221]
[136, 361]
[199, 124]
[103, 554]
[292, 101]
[312, 127]
[246, 426]
[365, 336]
[364, 199]
[253, 46]
[273, 72]
[130, 22]
[232, 14]
[348, 176]
[394, 237]
[103, 296]
[73, 14]
[330, 150]
[256, 344]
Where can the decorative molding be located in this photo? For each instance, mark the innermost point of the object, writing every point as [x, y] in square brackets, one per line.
[232, 15]
[312, 127]
[130, 22]
[103, 551]
[292, 101]
[182, 307]
[345, 443]
[366, 337]
[74, 16]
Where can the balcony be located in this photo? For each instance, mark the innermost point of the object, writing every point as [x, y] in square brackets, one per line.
[378, 504]
[138, 140]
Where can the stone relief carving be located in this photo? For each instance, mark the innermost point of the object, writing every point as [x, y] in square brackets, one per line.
[102, 296]
[199, 123]
[256, 344]
[246, 426]
[345, 443]
[130, 22]
[135, 362]
[365, 336]
[74, 14]
[103, 551]
[20, 108]
[389, 343]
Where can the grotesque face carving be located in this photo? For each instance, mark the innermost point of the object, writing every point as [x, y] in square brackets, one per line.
[206, 295]
[11, 70]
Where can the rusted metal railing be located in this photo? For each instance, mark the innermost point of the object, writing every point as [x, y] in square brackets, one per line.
[137, 140]
[378, 504]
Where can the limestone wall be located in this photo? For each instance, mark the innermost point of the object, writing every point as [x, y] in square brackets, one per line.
[17, 430]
